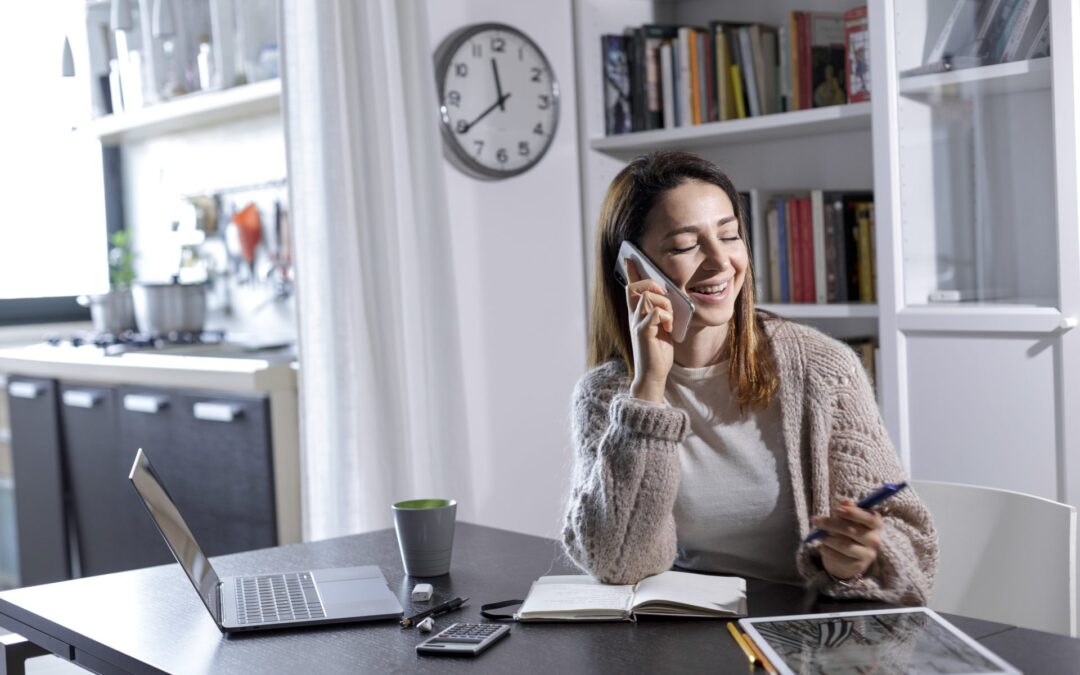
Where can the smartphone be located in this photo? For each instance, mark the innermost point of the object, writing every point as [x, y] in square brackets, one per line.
[682, 307]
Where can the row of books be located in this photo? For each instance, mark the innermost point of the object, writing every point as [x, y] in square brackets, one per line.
[813, 247]
[867, 350]
[660, 76]
[985, 32]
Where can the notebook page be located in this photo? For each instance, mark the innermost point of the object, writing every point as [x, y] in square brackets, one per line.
[571, 595]
[710, 593]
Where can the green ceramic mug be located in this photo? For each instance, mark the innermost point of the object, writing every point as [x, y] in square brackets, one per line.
[425, 533]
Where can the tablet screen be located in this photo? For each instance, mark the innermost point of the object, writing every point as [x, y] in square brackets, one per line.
[881, 641]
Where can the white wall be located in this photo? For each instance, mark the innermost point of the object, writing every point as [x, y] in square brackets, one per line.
[518, 261]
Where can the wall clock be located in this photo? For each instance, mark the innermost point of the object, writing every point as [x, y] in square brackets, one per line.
[498, 100]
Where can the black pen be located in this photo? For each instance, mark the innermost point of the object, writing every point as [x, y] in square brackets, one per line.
[445, 608]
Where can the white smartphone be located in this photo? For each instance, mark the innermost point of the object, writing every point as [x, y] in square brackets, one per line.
[682, 307]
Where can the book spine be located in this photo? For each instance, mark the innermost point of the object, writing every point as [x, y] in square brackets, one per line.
[667, 86]
[864, 218]
[795, 259]
[783, 240]
[834, 208]
[770, 50]
[725, 100]
[773, 235]
[686, 83]
[759, 249]
[757, 53]
[795, 44]
[831, 276]
[805, 62]
[807, 224]
[617, 113]
[1006, 33]
[817, 202]
[706, 45]
[736, 82]
[937, 52]
[784, 35]
[1020, 28]
[1041, 45]
[695, 79]
[747, 62]
[635, 47]
[655, 116]
[857, 55]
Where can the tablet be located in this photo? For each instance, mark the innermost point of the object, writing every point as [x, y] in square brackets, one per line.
[909, 640]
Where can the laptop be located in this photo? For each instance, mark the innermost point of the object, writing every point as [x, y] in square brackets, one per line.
[264, 601]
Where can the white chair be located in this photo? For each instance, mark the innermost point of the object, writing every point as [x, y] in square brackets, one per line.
[1004, 556]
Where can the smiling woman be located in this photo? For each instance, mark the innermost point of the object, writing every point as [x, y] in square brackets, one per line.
[718, 452]
[52, 230]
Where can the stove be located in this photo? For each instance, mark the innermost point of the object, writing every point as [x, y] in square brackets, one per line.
[130, 341]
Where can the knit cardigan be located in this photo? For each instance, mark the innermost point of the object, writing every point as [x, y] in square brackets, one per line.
[620, 525]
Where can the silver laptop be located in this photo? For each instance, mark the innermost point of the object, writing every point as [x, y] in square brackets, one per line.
[264, 600]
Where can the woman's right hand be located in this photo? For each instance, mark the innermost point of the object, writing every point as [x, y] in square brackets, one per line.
[650, 335]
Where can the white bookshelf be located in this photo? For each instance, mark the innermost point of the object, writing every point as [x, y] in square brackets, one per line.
[823, 311]
[794, 125]
[1001, 78]
[187, 112]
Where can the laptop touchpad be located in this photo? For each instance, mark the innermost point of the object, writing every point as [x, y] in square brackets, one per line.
[350, 590]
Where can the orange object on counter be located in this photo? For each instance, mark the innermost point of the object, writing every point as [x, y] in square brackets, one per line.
[249, 227]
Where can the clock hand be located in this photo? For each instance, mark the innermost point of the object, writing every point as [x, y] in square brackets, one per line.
[484, 114]
[498, 87]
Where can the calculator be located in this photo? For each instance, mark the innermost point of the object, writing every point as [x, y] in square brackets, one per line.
[463, 638]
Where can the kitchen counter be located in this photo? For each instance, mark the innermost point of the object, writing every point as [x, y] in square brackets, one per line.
[224, 367]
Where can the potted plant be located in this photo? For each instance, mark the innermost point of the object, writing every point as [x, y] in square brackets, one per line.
[113, 312]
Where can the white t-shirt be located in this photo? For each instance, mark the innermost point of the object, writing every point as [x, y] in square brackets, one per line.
[734, 512]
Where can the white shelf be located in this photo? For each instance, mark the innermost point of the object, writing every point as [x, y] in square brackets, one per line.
[832, 119]
[815, 311]
[1001, 78]
[982, 318]
[187, 112]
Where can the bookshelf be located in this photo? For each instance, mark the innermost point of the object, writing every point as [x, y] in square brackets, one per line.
[974, 175]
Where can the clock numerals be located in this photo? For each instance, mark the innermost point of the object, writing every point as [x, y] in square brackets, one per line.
[545, 102]
[453, 98]
[461, 69]
[462, 126]
[502, 156]
[477, 50]
[479, 147]
[498, 44]
[539, 129]
[523, 148]
[536, 73]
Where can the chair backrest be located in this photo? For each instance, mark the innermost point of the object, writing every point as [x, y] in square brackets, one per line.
[1004, 556]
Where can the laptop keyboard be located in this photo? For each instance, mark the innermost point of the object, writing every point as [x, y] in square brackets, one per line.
[277, 597]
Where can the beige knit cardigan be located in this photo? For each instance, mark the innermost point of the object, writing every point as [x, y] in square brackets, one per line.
[619, 521]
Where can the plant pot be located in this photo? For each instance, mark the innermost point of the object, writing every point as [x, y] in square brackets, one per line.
[111, 312]
[169, 308]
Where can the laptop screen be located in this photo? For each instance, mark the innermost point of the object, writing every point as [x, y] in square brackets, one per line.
[175, 530]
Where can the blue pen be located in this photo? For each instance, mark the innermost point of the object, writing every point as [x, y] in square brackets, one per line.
[887, 490]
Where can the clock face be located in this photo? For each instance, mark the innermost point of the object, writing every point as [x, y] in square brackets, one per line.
[498, 100]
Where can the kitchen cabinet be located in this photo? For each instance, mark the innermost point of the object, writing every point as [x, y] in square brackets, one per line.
[73, 444]
[38, 467]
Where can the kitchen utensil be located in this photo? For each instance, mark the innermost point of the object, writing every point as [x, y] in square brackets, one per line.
[249, 227]
[111, 312]
[168, 308]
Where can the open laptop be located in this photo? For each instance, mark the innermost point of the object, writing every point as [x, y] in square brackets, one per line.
[264, 600]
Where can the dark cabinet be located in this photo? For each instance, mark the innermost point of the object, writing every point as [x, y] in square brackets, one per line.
[38, 464]
[77, 442]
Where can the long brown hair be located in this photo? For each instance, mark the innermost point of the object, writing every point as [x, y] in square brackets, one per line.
[632, 194]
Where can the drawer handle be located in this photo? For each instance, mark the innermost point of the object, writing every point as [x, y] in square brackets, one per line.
[144, 403]
[216, 412]
[24, 389]
[77, 398]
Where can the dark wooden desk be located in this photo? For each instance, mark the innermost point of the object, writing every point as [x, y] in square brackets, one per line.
[150, 620]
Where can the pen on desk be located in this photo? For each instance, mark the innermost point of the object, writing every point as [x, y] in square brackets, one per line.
[445, 608]
[741, 641]
[868, 502]
[760, 657]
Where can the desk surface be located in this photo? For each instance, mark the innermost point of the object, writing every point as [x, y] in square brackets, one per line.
[151, 620]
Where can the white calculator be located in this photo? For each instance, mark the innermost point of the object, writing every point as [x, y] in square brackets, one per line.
[464, 638]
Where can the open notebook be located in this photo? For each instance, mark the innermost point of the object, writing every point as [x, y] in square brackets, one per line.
[583, 598]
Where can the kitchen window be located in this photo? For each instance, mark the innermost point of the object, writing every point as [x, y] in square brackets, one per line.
[52, 220]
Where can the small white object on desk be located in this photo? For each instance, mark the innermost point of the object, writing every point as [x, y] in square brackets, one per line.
[426, 625]
[422, 592]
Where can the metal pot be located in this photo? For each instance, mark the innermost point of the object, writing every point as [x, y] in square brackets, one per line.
[111, 312]
[169, 308]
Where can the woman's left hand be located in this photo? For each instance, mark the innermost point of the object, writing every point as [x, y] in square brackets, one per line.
[853, 541]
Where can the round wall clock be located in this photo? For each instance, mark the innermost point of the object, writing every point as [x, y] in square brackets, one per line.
[498, 100]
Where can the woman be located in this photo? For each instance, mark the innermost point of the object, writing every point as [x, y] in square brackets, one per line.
[722, 452]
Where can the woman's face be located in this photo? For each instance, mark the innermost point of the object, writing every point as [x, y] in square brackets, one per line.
[692, 235]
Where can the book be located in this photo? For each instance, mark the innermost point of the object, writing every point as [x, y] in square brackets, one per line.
[736, 82]
[617, 112]
[757, 53]
[667, 86]
[817, 203]
[850, 232]
[857, 54]
[1026, 29]
[793, 59]
[793, 217]
[673, 594]
[993, 42]
[835, 253]
[806, 249]
[685, 82]
[772, 228]
[656, 75]
[746, 65]
[1041, 45]
[784, 38]
[757, 228]
[864, 216]
[783, 240]
[826, 53]
[635, 50]
[771, 68]
[695, 78]
[725, 95]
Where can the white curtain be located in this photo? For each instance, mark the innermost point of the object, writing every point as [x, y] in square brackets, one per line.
[382, 416]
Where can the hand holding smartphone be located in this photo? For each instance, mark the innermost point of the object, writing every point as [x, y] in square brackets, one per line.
[682, 307]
